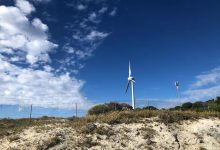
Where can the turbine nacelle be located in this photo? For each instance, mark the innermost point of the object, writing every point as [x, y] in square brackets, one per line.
[131, 78]
[177, 84]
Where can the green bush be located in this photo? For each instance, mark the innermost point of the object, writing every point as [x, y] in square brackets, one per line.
[217, 100]
[107, 107]
[187, 106]
[198, 104]
[210, 105]
[177, 108]
[217, 108]
[150, 108]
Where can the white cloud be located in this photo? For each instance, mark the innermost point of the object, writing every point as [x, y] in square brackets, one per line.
[81, 7]
[86, 35]
[41, 88]
[69, 49]
[205, 86]
[82, 54]
[92, 16]
[41, 1]
[25, 40]
[25, 6]
[22, 35]
[15, 42]
[96, 35]
[202, 94]
[207, 78]
[103, 10]
[37, 51]
[113, 12]
[14, 59]
[38, 24]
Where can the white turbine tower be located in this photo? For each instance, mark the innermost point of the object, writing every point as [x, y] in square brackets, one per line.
[131, 81]
[177, 84]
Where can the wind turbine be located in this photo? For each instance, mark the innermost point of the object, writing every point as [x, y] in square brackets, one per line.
[131, 82]
[177, 84]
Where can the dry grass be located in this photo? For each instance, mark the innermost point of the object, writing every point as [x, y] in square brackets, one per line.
[14, 138]
[164, 116]
[103, 130]
[10, 126]
[91, 128]
[49, 143]
[86, 143]
[13, 126]
[148, 133]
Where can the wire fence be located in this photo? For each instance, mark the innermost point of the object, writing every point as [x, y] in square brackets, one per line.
[18, 111]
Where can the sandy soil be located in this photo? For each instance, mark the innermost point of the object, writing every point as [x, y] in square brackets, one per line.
[149, 134]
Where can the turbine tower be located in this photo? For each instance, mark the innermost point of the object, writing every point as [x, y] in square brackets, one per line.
[177, 84]
[131, 82]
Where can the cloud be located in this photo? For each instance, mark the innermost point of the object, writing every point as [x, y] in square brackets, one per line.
[113, 12]
[21, 34]
[42, 88]
[25, 6]
[96, 35]
[87, 43]
[93, 17]
[41, 1]
[81, 7]
[203, 93]
[85, 31]
[207, 78]
[103, 9]
[205, 86]
[38, 24]
[27, 76]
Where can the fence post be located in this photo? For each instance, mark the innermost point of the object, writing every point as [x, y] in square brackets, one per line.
[30, 113]
[76, 110]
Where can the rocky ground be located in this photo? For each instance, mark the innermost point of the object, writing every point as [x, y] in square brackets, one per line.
[149, 134]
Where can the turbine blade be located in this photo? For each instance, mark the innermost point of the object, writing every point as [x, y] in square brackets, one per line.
[129, 69]
[127, 87]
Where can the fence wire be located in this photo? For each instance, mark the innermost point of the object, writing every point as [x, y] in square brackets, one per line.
[17, 111]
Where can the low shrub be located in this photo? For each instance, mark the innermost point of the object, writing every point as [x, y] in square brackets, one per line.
[148, 133]
[14, 126]
[86, 143]
[187, 106]
[49, 143]
[107, 107]
[150, 108]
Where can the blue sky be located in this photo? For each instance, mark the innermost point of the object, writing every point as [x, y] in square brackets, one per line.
[58, 53]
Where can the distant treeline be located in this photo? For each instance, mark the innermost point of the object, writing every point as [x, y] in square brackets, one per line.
[113, 106]
[107, 107]
[210, 105]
